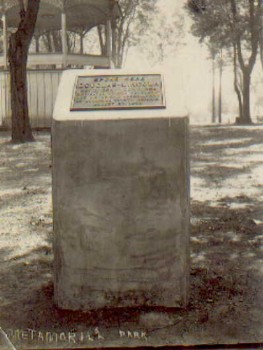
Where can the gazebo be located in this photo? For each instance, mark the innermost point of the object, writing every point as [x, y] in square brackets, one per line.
[62, 16]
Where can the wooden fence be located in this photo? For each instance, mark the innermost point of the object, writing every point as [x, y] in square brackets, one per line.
[42, 91]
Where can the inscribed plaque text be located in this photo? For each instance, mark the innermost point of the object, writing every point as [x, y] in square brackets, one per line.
[118, 92]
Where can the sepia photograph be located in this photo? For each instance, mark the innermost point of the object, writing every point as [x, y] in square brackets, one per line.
[131, 174]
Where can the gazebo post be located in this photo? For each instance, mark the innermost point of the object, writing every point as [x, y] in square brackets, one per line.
[4, 40]
[114, 47]
[109, 40]
[64, 36]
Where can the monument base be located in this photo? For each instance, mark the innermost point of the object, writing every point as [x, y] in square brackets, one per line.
[121, 212]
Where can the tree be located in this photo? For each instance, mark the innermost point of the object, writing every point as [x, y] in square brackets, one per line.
[127, 29]
[160, 44]
[251, 30]
[213, 90]
[17, 54]
[1, 41]
[237, 81]
[261, 38]
[261, 49]
[51, 41]
[231, 23]
[220, 64]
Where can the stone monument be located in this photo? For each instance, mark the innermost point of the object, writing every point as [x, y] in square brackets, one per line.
[120, 191]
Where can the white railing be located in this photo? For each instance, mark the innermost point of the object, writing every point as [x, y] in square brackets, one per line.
[58, 59]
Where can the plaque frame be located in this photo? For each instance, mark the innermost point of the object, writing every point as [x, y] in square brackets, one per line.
[124, 107]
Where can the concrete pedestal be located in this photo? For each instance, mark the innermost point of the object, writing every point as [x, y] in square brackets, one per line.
[121, 212]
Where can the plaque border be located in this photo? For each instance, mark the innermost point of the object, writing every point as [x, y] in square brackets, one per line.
[96, 109]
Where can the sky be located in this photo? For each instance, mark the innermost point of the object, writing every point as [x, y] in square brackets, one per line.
[190, 65]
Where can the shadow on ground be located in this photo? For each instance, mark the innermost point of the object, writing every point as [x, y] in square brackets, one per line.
[226, 247]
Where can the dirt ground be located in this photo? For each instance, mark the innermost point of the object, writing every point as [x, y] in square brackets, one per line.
[226, 274]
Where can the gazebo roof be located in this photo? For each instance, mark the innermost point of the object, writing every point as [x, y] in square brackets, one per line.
[83, 14]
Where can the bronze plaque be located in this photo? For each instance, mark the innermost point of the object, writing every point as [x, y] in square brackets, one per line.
[107, 92]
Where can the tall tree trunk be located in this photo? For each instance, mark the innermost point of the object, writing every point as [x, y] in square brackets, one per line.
[246, 117]
[213, 92]
[220, 98]
[49, 42]
[70, 45]
[261, 44]
[220, 89]
[37, 42]
[261, 34]
[21, 129]
[101, 40]
[56, 36]
[81, 39]
[247, 68]
[236, 85]
[17, 55]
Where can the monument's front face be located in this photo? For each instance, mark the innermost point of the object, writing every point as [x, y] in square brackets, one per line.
[120, 197]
